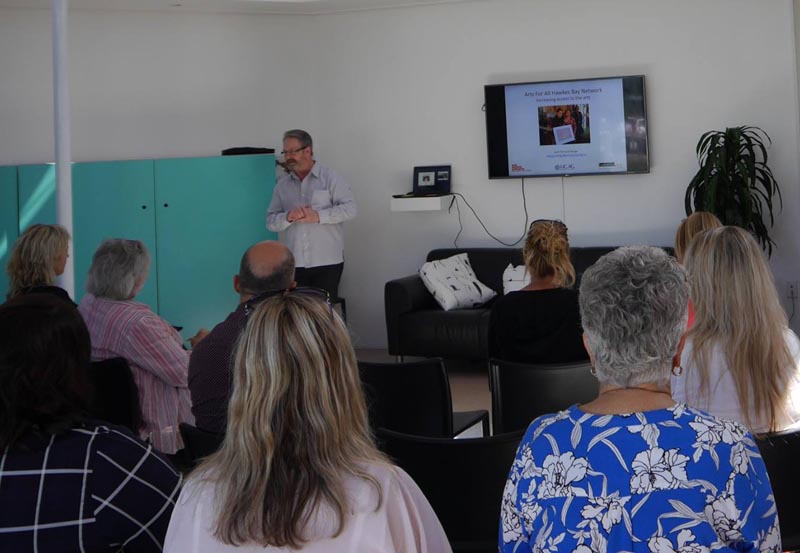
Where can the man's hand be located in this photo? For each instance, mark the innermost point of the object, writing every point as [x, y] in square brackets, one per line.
[295, 214]
[310, 215]
[194, 340]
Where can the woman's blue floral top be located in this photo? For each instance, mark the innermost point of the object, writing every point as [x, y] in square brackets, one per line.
[669, 480]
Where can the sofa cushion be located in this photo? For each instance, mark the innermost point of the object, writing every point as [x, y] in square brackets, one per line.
[515, 278]
[453, 284]
[488, 263]
[457, 334]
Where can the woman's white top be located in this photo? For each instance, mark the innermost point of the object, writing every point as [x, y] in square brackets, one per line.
[722, 400]
[404, 522]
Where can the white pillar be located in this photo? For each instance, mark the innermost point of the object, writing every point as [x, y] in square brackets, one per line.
[61, 113]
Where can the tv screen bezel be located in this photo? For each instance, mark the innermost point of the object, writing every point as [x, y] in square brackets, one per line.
[500, 123]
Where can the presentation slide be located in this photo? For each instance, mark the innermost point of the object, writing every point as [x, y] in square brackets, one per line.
[567, 127]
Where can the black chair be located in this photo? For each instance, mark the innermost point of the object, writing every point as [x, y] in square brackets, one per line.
[522, 392]
[342, 305]
[414, 398]
[781, 453]
[198, 443]
[115, 396]
[462, 479]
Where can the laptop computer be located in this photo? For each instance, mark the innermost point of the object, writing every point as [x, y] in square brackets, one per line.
[429, 180]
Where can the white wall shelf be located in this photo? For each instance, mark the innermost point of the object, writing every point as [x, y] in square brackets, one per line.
[433, 203]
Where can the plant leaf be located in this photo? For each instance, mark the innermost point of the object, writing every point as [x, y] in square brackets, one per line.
[734, 182]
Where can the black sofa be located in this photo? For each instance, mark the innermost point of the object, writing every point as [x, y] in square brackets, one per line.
[417, 326]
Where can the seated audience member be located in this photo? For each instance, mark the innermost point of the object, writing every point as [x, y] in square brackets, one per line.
[633, 470]
[38, 256]
[68, 483]
[266, 266]
[122, 327]
[741, 360]
[298, 468]
[690, 227]
[541, 322]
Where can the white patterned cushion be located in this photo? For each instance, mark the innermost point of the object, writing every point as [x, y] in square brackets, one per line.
[453, 283]
[515, 278]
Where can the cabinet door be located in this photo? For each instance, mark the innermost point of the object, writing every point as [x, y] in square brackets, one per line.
[113, 199]
[208, 212]
[107, 200]
[37, 195]
[9, 223]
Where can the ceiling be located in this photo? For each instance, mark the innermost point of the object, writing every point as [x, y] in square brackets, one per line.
[306, 7]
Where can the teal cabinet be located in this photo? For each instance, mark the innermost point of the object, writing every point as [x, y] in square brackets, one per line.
[113, 199]
[107, 202]
[9, 223]
[37, 195]
[196, 216]
[208, 211]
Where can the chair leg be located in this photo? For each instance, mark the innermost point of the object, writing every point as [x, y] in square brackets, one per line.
[399, 358]
[486, 431]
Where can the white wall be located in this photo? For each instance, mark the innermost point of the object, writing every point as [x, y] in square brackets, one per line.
[385, 90]
[403, 88]
[151, 84]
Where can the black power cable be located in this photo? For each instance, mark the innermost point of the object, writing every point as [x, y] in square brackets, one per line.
[457, 195]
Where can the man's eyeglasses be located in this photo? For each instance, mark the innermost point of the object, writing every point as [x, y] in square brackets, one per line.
[318, 293]
[284, 152]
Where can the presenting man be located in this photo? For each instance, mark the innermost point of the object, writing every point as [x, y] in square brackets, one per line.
[265, 267]
[308, 207]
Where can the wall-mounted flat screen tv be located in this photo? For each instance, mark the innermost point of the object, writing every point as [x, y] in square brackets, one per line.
[565, 128]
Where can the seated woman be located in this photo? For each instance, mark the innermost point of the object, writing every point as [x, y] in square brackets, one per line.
[298, 468]
[741, 361]
[122, 327]
[632, 470]
[69, 484]
[540, 323]
[690, 227]
[38, 256]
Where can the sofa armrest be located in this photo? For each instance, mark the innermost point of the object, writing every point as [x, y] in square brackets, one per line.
[403, 295]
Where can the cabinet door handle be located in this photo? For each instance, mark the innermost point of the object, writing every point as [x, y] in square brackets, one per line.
[144, 207]
[166, 205]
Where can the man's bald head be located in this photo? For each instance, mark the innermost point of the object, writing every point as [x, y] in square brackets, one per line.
[265, 266]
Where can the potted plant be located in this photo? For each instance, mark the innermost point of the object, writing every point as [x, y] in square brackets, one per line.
[734, 182]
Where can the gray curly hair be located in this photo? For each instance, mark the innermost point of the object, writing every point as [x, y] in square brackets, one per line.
[634, 304]
[117, 266]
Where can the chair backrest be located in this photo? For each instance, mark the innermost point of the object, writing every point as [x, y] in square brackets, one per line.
[462, 479]
[522, 392]
[115, 396]
[199, 443]
[413, 397]
[781, 452]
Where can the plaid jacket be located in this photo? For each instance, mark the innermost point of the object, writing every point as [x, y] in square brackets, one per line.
[92, 488]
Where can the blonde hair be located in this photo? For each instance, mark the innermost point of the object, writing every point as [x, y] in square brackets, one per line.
[33, 256]
[690, 227]
[297, 425]
[737, 309]
[546, 252]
